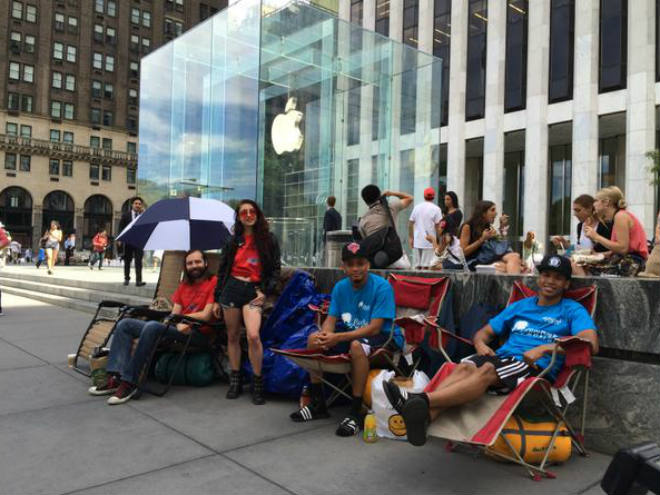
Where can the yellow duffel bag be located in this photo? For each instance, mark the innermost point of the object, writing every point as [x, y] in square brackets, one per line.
[531, 439]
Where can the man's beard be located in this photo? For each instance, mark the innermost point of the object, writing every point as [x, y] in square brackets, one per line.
[195, 273]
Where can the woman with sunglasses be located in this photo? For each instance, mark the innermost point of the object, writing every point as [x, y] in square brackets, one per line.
[249, 270]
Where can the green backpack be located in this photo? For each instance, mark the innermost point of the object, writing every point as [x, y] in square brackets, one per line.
[196, 369]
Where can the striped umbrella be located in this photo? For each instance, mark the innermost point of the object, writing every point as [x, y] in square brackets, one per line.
[181, 224]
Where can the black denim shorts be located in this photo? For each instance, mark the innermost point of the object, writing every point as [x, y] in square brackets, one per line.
[237, 293]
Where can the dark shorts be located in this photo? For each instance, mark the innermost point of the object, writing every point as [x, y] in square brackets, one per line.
[510, 371]
[369, 344]
[237, 293]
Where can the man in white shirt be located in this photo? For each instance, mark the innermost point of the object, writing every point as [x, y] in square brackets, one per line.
[424, 220]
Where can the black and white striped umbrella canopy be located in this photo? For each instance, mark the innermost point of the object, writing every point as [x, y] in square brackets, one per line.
[181, 224]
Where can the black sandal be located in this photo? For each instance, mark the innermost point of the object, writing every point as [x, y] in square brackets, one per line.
[348, 427]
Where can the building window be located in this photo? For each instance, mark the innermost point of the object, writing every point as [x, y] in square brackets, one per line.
[109, 63]
[515, 75]
[71, 54]
[58, 51]
[67, 137]
[106, 173]
[131, 175]
[30, 41]
[613, 44]
[56, 109]
[11, 129]
[108, 91]
[98, 33]
[135, 16]
[560, 190]
[146, 45]
[135, 42]
[15, 42]
[13, 101]
[28, 73]
[132, 96]
[107, 118]
[97, 60]
[657, 49]
[110, 35]
[26, 131]
[55, 135]
[146, 19]
[408, 93]
[562, 21]
[134, 68]
[54, 167]
[131, 147]
[99, 6]
[14, 71]
[95, 116]
[610, 167]
[94, 142]
[26, 103]
[93, 171]
[112, 8]
[383, 17]
[475, 90]
[106, 144]
[69, 111]
[96, 89]
[70, 82]
[17, 10]
[59, 21]
[441, 49]
[67, 168]
[31, 13]
[410, 22]
[73, 25]
[25, 164]
[131, 123]
[10, 161]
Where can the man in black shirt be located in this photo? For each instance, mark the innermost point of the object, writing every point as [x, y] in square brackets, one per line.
[332, 218]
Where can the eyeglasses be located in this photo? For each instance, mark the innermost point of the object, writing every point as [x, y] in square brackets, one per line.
[248, 212]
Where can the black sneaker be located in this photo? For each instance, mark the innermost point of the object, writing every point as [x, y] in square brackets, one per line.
[415, 415]
[395, 395]
[310, 413]
[125, 282]
[109, 387]
[348, 427]
[124, 393]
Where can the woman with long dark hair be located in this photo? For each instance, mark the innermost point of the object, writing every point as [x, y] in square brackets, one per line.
[53, 244]
[479, 230]
[248, 272]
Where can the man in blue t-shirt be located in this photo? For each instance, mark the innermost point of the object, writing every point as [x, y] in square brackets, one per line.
[532, 324]
[359, 321]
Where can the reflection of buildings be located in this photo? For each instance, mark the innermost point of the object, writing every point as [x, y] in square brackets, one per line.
[541, 101]
[69, 90]
[211, 97]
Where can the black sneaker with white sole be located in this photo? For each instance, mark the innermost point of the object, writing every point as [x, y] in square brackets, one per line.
[348, 427]
[309, 413]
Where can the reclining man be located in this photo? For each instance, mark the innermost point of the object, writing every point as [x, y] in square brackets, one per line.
[532, 324]
[363, 305]
[193, 297]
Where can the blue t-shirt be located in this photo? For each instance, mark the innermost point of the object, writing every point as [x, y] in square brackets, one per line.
[356, 308]
[530, 325]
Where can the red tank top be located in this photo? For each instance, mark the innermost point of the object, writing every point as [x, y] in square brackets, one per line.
[637, 242]
[246, 261]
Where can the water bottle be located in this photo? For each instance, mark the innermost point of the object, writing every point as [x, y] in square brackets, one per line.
[369, 433]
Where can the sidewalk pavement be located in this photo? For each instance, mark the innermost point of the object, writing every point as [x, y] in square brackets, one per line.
[55, 438]
[108, 275]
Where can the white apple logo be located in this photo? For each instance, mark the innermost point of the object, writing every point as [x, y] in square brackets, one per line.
[285, 133]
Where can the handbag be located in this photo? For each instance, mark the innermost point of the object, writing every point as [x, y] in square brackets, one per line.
[383, 247]
[491, 251]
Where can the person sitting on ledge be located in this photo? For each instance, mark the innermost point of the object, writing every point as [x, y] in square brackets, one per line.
[193, 297]
[363, 304]
[533, 324]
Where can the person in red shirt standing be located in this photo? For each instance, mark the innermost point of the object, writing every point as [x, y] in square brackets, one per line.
[99, 245]
[193, 297]
[4, 242]
[249, 270]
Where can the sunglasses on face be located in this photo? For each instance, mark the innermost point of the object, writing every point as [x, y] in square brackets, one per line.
[248, 212]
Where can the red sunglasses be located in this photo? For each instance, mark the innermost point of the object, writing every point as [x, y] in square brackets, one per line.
[248, 212]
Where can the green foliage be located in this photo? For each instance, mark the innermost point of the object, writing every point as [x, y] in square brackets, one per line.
[654, 156]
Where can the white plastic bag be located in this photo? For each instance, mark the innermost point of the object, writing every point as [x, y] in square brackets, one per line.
[389, 424]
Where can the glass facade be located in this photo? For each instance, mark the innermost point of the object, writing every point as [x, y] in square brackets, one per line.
[264, 100]
[441, 49]
[515, 75]
[562, 22]
[560, 189]
[613, 44]
[383, 17]
[475, 90]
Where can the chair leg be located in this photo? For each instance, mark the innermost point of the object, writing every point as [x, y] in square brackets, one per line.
[337, 391]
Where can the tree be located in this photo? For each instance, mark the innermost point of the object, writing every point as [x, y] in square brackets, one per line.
[654, 156]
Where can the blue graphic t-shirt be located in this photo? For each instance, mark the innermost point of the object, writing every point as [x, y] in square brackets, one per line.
[356, 308]
[530, 325]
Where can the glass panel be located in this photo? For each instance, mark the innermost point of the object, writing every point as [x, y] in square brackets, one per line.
[514, 175]
[476, 60]
[441, 49]
[613, 44]
[516, 56]
[560, 190]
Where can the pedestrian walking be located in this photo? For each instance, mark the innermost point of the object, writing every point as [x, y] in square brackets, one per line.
[4, 242]
[130, 252]
[424, 220]
[99, 245]
[53, 240]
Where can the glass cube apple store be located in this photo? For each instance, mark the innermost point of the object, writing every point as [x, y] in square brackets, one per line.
[283, 103]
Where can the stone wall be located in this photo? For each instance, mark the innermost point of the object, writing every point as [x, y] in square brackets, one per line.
[624, 394]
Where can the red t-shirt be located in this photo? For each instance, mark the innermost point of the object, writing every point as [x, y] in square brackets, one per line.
[195, 297]
[4, 240]
[246, 261]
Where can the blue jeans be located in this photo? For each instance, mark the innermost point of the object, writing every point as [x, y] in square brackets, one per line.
[96, 256]
[148, 332]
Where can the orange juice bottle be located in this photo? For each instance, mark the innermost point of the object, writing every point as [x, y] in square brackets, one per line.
[369, 433]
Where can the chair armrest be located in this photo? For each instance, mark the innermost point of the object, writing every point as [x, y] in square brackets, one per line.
[146, 312]
[107, 303]
[195, 322]
[576, 349]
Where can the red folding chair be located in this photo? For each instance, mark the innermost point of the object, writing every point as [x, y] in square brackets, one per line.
[415, 298]
[481, 423]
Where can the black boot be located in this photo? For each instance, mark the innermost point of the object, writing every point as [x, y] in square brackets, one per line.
[258, 390]
[235, 385]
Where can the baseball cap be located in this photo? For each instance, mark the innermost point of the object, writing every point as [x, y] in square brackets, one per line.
[352, 250]
[429, 193]
[556, 263]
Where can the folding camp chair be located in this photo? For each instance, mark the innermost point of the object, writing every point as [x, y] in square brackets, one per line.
[413, 296]
[109, 313]
[481, 423]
